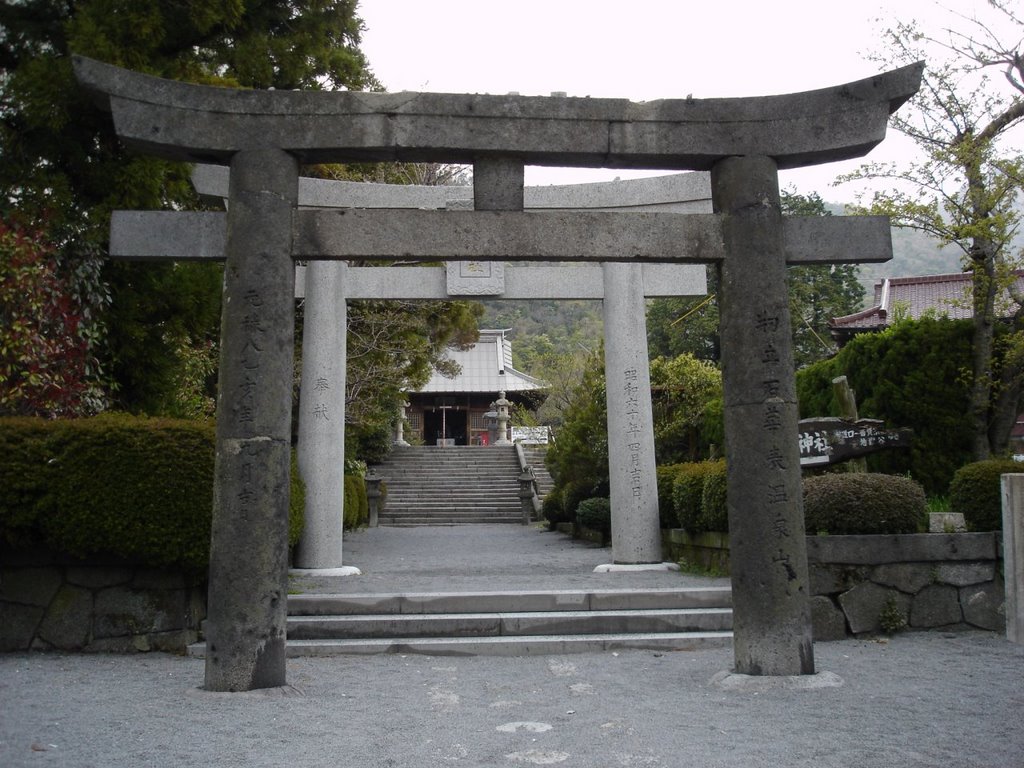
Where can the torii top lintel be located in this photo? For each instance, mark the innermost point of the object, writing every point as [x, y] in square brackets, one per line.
[206, 124]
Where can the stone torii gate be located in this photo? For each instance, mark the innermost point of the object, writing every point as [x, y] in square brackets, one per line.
[264, 135]
[327, 286]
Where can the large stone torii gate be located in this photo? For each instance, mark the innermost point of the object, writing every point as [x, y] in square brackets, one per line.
[264, 135]
[327, 286]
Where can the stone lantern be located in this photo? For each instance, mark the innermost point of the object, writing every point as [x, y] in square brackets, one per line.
[502, 405]
[400, 440]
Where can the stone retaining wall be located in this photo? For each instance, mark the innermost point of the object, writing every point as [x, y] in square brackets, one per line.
[927, 581]
[51, 603]
[931, 580]
[704, 551]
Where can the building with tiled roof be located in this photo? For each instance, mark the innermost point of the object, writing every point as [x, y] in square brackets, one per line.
[911, 297]
[454, 409]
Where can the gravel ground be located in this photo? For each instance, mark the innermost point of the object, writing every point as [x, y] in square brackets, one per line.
[924, 699]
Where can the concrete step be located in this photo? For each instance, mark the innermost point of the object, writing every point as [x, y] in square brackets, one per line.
[502, 646]
[511, 646]
[511, 624]
[418, 522]
[408, 603]
[508, 623]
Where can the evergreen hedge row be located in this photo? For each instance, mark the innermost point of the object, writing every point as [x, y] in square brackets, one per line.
[847, 503]
[910, 375]
[357, 506]
[115, 486]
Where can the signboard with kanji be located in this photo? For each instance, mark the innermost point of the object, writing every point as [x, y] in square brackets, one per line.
[830, 440]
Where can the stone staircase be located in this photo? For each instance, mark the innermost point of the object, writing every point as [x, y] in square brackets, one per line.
[509, 623]
[428, 485]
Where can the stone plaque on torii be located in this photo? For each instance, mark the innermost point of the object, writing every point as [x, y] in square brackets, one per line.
[264, 135]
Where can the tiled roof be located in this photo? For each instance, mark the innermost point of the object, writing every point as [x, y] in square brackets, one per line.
[486, 367]
[912, 297]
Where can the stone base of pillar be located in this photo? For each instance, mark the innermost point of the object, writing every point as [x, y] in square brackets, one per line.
[734, 681]
[634, 567]
[400, 444]
[344, 570]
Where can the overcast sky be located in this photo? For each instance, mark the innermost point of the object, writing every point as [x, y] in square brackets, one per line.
[639, 50]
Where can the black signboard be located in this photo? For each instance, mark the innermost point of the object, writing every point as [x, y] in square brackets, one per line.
[829, 440]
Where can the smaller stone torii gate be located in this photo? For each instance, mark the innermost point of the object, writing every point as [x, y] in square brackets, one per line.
[264, 135]
[328, 285]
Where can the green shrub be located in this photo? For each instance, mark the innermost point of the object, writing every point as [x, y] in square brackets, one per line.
[552, 509]
[666, 477]
[714, 512]
[595, 514]
[357, 505]
[688, 493]
[976, 493]
[115, 486]
[910, 375]
[572, 494]
[863, 503]
[24, 476]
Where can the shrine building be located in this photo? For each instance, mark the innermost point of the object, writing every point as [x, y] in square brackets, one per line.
[461, 410]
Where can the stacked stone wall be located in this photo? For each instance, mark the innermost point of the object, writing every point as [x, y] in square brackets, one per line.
[869, 584]
[52, 603]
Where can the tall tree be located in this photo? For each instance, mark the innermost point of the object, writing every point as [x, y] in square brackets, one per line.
[965, 187]
[62, 169]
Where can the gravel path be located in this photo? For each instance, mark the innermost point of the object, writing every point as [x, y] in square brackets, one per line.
[925, 699]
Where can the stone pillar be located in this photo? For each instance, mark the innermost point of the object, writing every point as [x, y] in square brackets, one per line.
[771, 613]
[248, 588]
[322, 416]
[1013, 555]
[636, 534]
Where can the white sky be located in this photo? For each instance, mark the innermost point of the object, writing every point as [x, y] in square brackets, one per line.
[639, 50]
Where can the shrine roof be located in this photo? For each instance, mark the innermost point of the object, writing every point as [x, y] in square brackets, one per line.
[914, 297]
[486, 367]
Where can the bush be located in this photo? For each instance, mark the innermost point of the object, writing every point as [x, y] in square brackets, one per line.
[863, 503]
[572, 495]
[688, 492]
[666, 477]
[976, 493]
[595, 514]
[714, 512]
[357, 505]
[115, 486]
[552, 509]
[910, 375]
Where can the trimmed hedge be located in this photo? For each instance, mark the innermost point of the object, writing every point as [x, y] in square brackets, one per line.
[688, 493]
[714, 512]
[115, 486]
[357, 505]
[595, 514]
[976, 493]
[863, 503]
[666, 479]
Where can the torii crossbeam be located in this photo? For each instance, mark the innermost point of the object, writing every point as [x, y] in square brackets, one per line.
[264, 135]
